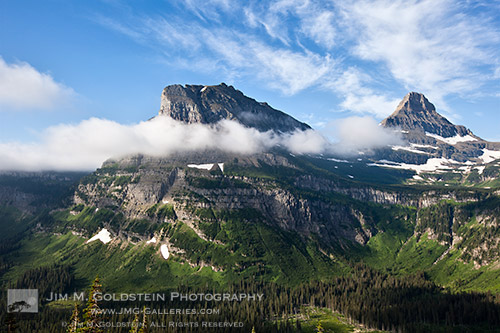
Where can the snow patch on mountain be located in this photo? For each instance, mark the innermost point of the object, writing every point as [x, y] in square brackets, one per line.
[207, 166]
[164, 251]
[480, 169]
[410, 149]
[423, 146]
[104, 236]
[432, 165]
[201, 166]
[489, 155]
[454, 139]
[337, 160]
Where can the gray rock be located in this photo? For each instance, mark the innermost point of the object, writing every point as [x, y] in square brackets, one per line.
[211, 104]
[416, 113]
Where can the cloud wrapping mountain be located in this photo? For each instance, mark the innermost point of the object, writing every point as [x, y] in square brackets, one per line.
[86, 145]
[363, 134]
[191, 118]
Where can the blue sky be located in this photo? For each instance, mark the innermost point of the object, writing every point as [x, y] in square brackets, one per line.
[63, 62]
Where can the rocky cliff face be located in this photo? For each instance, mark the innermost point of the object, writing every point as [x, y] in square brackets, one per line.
[429, 138]
[137, 184]
[210, 104]
[334, 210]
[416, 113]
[415, 198]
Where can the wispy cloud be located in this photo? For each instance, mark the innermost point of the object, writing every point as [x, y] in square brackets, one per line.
[438, 47]
[320, 28]
[236, 53]
[207, 9]
[23, 87]
[353, 84]
[293, 21]
[428, 45]
[290, 71]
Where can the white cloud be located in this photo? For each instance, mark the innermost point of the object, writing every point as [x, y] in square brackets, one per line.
[364, 134]
[352, 85]
[321, 28]
[241, 54]
[86, 145]
[428, 46]
[23, 87]
[208, 9]
[378, 105]
[304, 142]
[289, 71]
[437, 47]
[315, 21]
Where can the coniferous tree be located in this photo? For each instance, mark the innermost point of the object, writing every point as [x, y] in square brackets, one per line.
[319, 328]
[135, 324]
[74, 321]
[93, 313]
[145, 325]
[10, 320]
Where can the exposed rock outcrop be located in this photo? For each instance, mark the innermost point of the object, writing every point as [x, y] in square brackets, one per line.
[416, 113]
[211, 104]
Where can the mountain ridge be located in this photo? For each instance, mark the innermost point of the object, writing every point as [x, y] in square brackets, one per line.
[415, 112]
[421, 125]
[211, 104]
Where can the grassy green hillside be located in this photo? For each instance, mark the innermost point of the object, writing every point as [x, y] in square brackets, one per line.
[241, 228]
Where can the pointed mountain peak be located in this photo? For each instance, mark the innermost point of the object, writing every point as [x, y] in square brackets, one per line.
[211, 104]
[416, 113]
[416, 102]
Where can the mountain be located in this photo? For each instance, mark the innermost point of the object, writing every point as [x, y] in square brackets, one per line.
[212, 220]
[437, 150]
[416, 113]
[211, 104]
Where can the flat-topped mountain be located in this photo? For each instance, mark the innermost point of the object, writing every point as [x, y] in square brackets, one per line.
[211, 104]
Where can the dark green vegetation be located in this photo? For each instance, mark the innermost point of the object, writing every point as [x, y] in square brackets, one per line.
[411, 304]
[320, 245]
[39, 190]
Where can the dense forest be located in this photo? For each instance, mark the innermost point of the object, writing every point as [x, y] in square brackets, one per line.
[410, 303]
